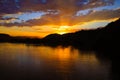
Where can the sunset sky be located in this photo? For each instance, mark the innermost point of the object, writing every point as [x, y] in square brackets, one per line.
[39, 18]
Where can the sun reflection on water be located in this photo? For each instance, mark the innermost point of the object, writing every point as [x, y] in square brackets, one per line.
[65, 62]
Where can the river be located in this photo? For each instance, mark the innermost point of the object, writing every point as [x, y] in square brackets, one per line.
[25, 62]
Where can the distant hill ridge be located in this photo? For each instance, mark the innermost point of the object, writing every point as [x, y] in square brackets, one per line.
[87, 38]
[101, 39]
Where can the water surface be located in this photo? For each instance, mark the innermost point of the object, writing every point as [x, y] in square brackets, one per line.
[22, 62]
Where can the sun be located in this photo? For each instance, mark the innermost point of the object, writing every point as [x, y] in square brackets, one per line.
[63, 30]
[61, 33]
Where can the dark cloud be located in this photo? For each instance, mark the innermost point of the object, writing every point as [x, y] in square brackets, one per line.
[104, 14]
[8, 18]
[65, 6]
[96, 15]
[8, 6]
[60, 19]
[14, 24]
[71, 6]
[58, 12]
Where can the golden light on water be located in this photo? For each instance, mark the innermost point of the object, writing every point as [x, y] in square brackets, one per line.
[59, 53]
[66, 62]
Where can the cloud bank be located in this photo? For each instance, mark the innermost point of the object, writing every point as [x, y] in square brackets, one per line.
[56, 12]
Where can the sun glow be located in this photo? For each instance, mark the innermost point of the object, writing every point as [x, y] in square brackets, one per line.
[63, 29]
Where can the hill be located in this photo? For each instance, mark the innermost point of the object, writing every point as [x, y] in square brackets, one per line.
[100, 39]
[106, 38]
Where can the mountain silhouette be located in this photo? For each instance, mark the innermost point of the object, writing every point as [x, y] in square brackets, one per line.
[104, 41]
[106, 38]
[100, 39]
[4, 37]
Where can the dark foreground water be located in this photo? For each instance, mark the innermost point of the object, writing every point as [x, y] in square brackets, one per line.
[21, 62]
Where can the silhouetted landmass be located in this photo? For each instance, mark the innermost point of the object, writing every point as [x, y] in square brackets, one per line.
[101, 39]
[105, 41]
[4, 37]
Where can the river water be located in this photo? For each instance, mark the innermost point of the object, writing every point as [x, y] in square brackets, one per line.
[28, 62]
